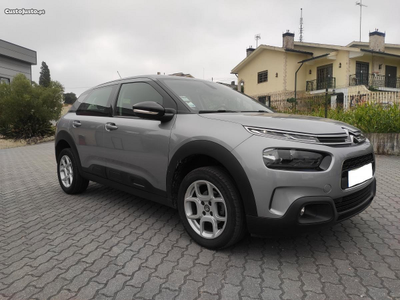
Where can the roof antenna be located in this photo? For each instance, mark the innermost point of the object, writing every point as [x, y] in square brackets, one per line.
[301, 25]
[257, 37]
[119, 75]
[361, 6]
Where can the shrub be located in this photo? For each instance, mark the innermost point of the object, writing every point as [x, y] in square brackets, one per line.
[369, 117]
[26, 110]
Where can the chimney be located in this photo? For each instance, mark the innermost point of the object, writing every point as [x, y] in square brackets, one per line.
[288, 40]
[249, 51]
[377, 41]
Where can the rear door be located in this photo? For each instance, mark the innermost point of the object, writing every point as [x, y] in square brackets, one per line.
[88, 126]
[137, 149]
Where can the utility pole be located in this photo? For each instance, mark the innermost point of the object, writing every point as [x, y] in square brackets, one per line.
[257, 37]
[361, 6]
[301, 25]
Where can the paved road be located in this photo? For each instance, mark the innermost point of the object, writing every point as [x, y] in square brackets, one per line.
[106, 244]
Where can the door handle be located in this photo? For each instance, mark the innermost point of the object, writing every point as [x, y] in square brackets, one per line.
[76, 124]
[111, 126]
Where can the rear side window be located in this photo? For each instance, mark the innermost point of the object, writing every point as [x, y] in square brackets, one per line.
[78, 102]
[134, 93]
[97, 103]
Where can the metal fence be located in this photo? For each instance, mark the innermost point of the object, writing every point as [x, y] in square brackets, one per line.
[374, 80]
[314, 85]
[311, 103]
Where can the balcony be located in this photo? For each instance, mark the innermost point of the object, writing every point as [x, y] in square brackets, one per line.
[325, 83]
[375, 81]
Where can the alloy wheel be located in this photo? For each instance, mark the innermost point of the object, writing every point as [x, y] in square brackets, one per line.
[66, 171]
[205, 209]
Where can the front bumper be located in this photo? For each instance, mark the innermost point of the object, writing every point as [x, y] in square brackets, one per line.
[319, 211]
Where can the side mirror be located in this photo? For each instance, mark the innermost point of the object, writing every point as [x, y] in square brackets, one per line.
[153, 111]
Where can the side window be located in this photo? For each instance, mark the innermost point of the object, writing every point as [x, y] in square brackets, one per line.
[134, 93]
[96, 103]
[78, 102]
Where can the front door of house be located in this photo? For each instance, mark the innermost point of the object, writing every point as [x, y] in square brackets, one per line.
[390, 78]
[324, 77]
[362, 71]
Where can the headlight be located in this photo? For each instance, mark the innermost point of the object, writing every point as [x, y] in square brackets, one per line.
[293, 159]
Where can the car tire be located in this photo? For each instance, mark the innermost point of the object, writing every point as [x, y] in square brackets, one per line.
[214, 222]
[69, 177]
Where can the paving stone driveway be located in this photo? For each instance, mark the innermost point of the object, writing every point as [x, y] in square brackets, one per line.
[105, 244]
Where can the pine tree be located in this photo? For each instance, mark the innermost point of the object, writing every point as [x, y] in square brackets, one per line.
[44, 79]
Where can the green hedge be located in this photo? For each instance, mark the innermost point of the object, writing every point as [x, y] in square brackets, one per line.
[26, 109]
[370, 118]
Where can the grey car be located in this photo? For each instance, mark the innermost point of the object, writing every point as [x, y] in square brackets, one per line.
[226, 162]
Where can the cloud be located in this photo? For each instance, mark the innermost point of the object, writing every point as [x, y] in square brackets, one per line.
[85, 43]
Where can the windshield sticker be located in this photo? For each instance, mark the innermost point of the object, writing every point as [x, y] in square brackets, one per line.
[188, 102]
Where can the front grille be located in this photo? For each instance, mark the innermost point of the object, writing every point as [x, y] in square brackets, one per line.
[344, 139]
[353, 200]
[333, 140]
[354, 163]
[357, 162]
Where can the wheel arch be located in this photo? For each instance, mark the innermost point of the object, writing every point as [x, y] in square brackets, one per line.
[65, 140]
[201, 153]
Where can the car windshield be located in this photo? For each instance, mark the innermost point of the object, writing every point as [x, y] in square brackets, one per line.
[208, 97]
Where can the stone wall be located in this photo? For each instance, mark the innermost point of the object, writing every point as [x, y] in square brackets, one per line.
[385, 143]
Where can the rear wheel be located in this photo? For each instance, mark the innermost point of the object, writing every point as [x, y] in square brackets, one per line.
[68, 174]
[210, 208]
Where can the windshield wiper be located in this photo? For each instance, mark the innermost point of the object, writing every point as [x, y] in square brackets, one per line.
[216, 111]
[260, 110]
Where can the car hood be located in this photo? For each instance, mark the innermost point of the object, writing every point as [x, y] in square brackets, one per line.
[295, 123]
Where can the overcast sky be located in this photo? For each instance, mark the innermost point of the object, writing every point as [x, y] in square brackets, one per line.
[85, 43]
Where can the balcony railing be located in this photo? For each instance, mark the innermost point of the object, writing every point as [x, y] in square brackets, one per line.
[326, 83]
[375, 81]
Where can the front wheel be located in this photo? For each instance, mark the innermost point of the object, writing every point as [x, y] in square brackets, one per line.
[68, 174]
[210, 208]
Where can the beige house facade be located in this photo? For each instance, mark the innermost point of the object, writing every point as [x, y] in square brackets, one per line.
[298, 69]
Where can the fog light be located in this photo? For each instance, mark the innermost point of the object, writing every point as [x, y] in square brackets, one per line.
[302, 211]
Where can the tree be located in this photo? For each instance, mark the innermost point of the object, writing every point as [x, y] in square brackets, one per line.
[44, 79]
[26, 109]
[69, 98]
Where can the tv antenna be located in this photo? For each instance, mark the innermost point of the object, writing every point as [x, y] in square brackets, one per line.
[301, 25]
[257, 37]
[361, 6]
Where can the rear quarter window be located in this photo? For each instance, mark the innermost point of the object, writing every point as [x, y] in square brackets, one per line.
[78, 102]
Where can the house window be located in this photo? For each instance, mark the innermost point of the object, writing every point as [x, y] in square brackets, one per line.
[5, 80]
[262, 99]
[263, 76]
[266, 100]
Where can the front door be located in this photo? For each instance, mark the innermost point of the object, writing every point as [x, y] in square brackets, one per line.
[138, 148]
[391, 76]
[324, 77]
[362, 71]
